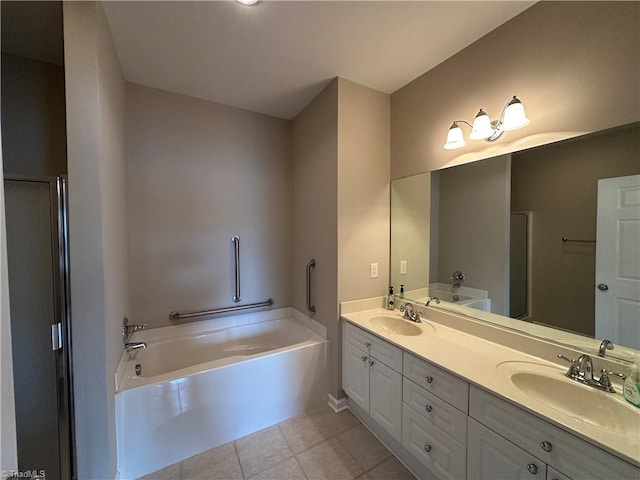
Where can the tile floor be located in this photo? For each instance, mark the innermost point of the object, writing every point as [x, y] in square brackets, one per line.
[318, 445]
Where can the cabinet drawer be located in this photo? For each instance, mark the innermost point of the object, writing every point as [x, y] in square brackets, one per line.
[435, 410]
[432, 447]
[491, 457]
[562, 451]
[383, 351]
[448, 387]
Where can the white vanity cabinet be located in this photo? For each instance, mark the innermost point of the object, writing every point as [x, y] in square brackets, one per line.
[434, 417]
[505, 441]
[371, 377]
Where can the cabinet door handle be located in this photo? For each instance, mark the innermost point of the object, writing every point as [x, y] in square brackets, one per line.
[372, 363]
[367, 344]
[428, 408]
[364, 358]
[533, 468]
[427, 447]
[546, 446]
[429, 379]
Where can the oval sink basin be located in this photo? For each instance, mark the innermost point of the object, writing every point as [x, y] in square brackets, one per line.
[396, 325]
[549, 386]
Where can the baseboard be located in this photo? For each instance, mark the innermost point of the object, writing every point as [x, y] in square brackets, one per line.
[337, 405]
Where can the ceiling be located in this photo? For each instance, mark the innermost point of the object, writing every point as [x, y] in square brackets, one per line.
[275, 57]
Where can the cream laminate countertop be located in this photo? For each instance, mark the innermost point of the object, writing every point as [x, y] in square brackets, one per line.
[484, 363]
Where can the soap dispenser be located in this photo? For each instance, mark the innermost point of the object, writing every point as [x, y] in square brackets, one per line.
[401, 294]
[631, 387]
[391, 301]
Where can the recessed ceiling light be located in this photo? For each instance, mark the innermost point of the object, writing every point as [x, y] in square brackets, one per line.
[247, 2]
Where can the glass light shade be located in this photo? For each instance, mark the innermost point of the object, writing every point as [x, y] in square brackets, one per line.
[482, 128]
[514, 116]
[455, 138]
[247, 2]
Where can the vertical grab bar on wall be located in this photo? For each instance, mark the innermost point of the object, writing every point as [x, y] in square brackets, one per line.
[311, 265]
[236, 247]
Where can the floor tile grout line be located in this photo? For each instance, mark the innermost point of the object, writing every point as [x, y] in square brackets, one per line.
[235, 449]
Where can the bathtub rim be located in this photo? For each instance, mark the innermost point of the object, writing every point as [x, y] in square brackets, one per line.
[317, 331]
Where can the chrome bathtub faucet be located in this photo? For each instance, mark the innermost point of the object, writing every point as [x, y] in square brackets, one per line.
[604, 346]
[130, 347]
[128, 330]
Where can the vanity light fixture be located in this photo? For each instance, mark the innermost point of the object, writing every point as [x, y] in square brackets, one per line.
[483, 128]
[247, 2]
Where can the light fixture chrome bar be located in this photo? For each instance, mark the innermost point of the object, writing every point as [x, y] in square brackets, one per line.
[174, 316]
[236, 247]
[310, 266]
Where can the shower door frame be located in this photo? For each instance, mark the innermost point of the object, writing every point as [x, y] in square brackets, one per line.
[62, 312]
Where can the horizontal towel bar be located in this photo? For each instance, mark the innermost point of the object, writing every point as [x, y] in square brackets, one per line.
[205, 313]
[565, 239]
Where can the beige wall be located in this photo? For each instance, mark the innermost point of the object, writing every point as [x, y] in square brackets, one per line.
[559, 183]
[341, 203]
[315, 209]
[33, 112]
[199, 173]
[411, 205]
[575, 66]
[97, 229]
[473, 227]
[363, 191]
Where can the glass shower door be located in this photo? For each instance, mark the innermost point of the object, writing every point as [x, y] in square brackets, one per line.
[35, 248]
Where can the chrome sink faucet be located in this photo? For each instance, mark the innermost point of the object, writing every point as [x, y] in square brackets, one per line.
[604, 346]
[410, 313]
[581, 370]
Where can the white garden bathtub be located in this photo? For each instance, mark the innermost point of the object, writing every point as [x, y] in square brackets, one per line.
[202, 389]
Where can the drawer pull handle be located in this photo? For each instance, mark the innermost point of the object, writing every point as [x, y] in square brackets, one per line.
[367, 344]
[364, 358]
[427, 447]
[372, 363]
[533, 468]
[546, 446]
[429, 379]
[428, 408]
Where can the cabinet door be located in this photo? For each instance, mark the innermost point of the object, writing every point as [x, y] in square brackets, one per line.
[355, 375]
[553, 474]
[386, 398]
[491, 457]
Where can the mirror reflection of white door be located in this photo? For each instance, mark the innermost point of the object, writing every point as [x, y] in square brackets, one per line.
[618, 261]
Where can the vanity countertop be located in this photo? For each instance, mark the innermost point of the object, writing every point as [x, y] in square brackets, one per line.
[489, 366]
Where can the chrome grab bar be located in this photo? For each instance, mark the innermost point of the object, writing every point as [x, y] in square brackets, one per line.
[310, 265]
[205, 313]
[236, 247]
[573, 240]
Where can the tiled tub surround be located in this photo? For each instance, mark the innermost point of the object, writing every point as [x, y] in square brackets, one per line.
[205, 384]
[470, 354]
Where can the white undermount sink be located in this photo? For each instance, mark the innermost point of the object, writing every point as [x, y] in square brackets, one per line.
[549, 386]
[398, 326]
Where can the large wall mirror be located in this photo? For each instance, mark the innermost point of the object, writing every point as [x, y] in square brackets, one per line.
[545, 240]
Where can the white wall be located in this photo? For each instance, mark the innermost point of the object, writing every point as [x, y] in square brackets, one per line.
[97, 229]
[198, 173]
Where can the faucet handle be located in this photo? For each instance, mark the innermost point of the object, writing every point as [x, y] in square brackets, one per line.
[608, 373]
[567, 359]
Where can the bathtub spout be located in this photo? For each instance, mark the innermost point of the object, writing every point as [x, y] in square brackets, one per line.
[130, 347]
